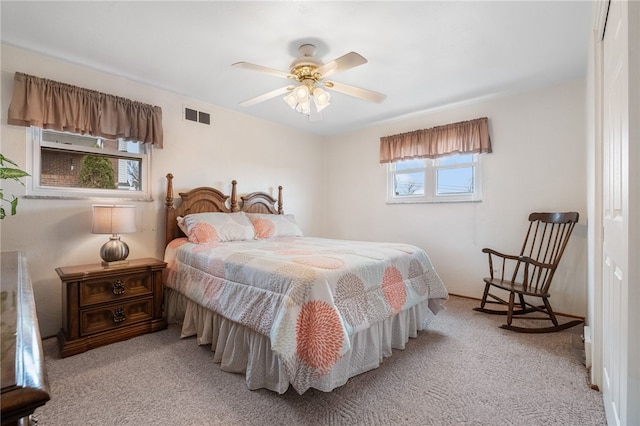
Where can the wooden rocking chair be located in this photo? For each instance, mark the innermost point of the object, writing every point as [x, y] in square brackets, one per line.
[530, 273]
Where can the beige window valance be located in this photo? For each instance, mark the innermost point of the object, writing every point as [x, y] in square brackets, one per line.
[464, 137]
[53, 105]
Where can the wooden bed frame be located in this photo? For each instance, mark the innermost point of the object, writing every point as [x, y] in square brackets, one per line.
[204, 199]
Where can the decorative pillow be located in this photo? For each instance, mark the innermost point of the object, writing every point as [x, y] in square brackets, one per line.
[182, 225]
[210, 227]
[275, 225]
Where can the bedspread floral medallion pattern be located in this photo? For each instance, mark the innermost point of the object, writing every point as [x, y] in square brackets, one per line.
[307, 294]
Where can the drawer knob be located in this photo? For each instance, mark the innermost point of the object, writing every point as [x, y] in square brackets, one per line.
[119, 316]
[117, 287]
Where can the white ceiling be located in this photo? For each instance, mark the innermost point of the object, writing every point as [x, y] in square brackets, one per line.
[422, 55]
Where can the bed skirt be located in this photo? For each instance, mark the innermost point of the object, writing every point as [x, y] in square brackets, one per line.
[239, 349]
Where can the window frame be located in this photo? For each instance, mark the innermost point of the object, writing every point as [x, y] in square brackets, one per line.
[431, 167]
[34, 188]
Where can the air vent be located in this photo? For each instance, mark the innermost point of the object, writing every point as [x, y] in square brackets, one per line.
[190, 114]
[203, 117]
[197, 116]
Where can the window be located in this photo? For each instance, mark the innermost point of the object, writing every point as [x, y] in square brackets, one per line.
[80, 166]
[452, 178]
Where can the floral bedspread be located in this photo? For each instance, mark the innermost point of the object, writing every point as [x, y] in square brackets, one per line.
[307, 294]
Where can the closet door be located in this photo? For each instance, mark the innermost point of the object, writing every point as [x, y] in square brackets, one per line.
[621, 217]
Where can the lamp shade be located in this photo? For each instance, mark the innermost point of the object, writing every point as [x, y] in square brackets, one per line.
[321, 98]
[301, 93]
[113, 219]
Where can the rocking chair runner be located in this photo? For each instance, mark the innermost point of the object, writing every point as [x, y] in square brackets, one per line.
[530, 273]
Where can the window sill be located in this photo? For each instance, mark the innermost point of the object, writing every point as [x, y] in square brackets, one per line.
[448, 201]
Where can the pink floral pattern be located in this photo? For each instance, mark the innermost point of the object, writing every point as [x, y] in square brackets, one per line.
[394, 289]
[275, 225]
[319, 335]
[202, 228]
[307, 294]
[264, 228]
[203, 233]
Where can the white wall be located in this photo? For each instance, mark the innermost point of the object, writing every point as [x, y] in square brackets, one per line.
[334, 186]
[538, 164]
[258, 154]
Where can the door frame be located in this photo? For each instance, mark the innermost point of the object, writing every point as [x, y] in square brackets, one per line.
[593, 331]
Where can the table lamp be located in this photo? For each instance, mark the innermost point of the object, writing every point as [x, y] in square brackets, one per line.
[114, 220]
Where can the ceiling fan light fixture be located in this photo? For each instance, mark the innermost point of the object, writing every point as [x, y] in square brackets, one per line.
[308, 74]
[304, 107]
[290, 100]
[301, 106]
[321, 98]
[300, 97]
[301, 93]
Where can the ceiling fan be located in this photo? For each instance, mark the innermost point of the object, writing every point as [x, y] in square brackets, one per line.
[309, 74]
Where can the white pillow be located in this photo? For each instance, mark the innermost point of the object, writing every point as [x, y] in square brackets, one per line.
[211, 227]
[181, 225]
[275, 225]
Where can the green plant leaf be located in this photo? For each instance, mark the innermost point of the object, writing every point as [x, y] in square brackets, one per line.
[14, 206]
[10, 173]
[14, 174]
[4, 159]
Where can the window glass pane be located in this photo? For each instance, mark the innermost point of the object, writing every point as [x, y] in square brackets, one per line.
[455, 159]
[454, 178]
[76, 161]
[129, 177]
[455, 181]
[410, 164]
[78, 170]
[407, 184]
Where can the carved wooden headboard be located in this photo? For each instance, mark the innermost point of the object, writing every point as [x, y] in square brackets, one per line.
[204, 199]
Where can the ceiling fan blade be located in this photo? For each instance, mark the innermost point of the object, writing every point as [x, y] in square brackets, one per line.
[265, 70]
[343, 63]
[368, 95]
[266, 96]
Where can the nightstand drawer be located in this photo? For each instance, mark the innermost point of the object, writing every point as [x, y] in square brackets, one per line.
[107, 304]
[115, 315]
[113, 288]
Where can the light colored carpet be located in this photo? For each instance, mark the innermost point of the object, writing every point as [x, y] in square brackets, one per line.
[464, 370]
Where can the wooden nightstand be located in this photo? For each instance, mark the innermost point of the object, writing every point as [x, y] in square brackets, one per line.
[102, 305]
